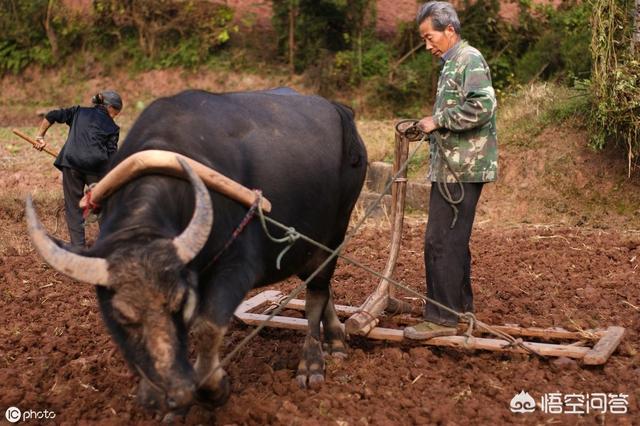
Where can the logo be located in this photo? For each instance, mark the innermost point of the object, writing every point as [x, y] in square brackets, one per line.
[13, 414]
[522, 403]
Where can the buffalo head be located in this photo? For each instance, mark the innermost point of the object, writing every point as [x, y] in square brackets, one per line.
[148, 296]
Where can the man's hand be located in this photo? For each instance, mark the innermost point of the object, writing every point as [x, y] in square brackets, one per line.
[427, 124]
[40, 143]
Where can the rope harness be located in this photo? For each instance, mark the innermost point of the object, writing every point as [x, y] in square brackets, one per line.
[412, 133]
[291, 236]
[236, 233]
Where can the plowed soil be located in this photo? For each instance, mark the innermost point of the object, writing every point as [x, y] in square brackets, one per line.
[55, 353]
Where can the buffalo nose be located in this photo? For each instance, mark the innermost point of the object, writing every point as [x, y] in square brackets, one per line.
[181, 397]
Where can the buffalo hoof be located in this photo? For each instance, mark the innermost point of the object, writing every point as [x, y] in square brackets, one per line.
[313, 381]
[176, 416]
[336, 349]
[149, 397]
[218, 396]
[311, 367]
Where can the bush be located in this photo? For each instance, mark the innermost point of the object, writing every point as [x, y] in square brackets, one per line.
[35, 32]
[167, 33]
[615, 84]
[319, 25]
[145, 33]
[561, 50]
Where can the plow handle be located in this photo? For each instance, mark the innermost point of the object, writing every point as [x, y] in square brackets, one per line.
[33, 142]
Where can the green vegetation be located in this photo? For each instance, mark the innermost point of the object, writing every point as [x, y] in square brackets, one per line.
[615, 116]
[527, 111]
[141, 34]
[333, 45]
[333, 41]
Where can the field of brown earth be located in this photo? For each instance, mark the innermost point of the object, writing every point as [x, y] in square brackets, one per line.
[530, 267]
[56, 354]
[556, 244]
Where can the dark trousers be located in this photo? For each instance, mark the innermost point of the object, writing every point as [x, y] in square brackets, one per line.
[447, 256]
[73, 183]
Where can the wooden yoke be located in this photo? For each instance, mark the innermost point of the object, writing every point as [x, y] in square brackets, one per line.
[166, 162]
[363, 321]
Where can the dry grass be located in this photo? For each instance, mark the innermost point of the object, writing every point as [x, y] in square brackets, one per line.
[615, 82]
[15, 240]
[379, 136]
[525, 113]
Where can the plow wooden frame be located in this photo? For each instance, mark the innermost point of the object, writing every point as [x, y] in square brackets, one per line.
[363, 320]
[604, 341]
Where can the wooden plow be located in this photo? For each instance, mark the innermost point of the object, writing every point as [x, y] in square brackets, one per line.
[592, 347]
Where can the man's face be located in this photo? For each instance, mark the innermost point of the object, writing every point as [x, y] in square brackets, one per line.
[437, 42]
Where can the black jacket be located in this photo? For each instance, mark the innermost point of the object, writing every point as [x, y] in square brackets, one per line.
[92, 140]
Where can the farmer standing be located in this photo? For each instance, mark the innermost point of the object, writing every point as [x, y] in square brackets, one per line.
[463, 144]
[92, 140]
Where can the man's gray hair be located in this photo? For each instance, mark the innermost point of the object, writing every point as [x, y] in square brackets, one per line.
[442, 14]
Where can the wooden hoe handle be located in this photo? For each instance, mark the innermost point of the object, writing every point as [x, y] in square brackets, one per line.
[33, 142]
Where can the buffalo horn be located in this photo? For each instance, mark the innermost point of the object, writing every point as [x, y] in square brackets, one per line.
[194, 237]
[93, 270]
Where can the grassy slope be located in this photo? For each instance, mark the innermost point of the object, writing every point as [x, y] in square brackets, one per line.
[547, 173]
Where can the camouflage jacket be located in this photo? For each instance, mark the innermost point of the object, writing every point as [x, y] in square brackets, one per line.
[465, 111]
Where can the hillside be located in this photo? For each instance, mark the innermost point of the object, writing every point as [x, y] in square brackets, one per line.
[389, 12]
[548, 174]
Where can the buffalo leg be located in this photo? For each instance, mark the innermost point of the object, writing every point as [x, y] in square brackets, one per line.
[149, 397]
[311, 366]
[223, 292]
[333, 332]
[213, 380]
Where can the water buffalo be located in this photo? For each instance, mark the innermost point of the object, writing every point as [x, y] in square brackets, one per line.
[152, 262]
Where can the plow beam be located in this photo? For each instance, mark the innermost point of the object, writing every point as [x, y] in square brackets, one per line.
[382, 299]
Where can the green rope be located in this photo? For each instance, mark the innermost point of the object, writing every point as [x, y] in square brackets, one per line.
[467, 316]
[291, 236]
[332, 255]
[444, 188]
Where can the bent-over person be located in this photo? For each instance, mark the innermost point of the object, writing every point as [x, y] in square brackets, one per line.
[92, 140]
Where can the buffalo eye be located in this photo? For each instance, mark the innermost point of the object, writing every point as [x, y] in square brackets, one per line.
[190, 307]
[176, 299]
[124, 312]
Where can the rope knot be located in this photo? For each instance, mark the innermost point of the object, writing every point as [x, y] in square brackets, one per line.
[515, 343]
[91, 206]
[292, 235]
[471, 319]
